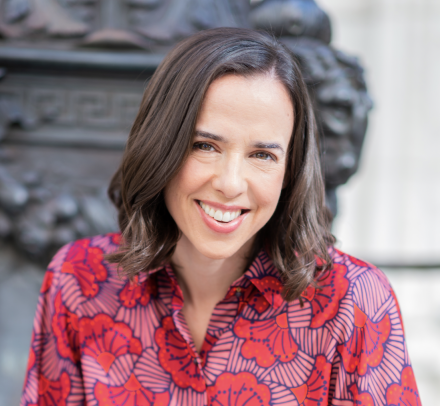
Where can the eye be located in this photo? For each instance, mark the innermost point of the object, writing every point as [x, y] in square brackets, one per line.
[203, 146]
[264, 156]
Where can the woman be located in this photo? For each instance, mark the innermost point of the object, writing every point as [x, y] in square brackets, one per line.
[224, 287]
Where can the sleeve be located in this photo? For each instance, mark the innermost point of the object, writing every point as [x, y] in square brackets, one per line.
[371, 366]
[53, 375]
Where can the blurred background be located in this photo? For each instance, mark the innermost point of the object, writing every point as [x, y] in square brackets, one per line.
[71, 76]
[389, 210]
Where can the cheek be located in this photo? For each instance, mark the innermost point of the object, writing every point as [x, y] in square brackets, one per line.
[267, 190]
[193, 175]
[190, 179]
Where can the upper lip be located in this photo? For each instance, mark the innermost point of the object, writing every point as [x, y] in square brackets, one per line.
[223, 207]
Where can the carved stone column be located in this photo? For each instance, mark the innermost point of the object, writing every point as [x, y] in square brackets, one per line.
[73, 73]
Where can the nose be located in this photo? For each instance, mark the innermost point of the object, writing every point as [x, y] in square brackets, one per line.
[230, 179]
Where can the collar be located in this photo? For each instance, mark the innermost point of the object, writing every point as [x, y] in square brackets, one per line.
[262, 273]
[266, 278]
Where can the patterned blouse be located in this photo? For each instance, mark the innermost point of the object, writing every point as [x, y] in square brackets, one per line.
[99, 339]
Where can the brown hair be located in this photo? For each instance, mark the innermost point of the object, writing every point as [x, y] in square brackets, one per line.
[161, 139]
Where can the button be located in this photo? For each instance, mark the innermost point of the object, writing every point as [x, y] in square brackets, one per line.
[195, 361]
[238, 292]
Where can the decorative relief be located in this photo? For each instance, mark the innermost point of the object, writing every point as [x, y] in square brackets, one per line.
[24, 17]
[74, 106]
[342, 104]
[11, 110]
[45, 204]
[49, 197]
[297, 18]
[182, 18]
[138, 24]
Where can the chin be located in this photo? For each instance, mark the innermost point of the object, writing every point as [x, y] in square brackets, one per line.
[218, 249]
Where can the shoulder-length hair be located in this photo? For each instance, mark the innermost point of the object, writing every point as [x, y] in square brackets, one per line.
[161, 140]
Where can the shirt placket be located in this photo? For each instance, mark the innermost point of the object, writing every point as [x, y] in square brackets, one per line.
[182, 327]
[237, 295]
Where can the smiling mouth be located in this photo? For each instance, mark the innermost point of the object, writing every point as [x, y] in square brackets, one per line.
[219, 215]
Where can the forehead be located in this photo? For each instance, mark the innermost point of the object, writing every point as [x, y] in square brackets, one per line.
[259, 105]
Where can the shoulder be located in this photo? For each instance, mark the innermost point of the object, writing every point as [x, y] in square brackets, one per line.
[357, 268]
[88, 252]
[80, 268]
[351, 289]
[368, 286]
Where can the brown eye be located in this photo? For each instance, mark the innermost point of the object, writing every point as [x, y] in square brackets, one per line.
[263, 156]
[203, 146]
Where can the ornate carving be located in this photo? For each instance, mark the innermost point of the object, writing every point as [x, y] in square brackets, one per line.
[51, 193]
[24, 17]
[15, 10]
[335, 81]
[76, 103]
[342, 104]
[112, 32]
[50, 196]
[298, 18]
[119, 23]
[47, 199]
[182, 18]
[11, 111]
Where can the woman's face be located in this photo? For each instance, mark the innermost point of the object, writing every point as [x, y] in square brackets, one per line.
[229, 186]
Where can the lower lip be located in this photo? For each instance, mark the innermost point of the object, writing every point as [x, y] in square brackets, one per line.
[218, 227]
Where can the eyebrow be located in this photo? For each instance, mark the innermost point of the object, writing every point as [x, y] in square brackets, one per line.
[213, 137]
[264, 145]
[272, 145]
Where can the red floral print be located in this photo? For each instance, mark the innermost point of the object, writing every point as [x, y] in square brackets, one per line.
[300, 393]
[54, 393]
[47, 281]
[242, 389]
[101, 341]
[115, 238]
[325, 300]
[65, 329]
[405, 394]
[315, 391]
[208, 343]
[357, 261]
[105, 340]
[267, 341]
[361, 399]
[32, 358]
[398, 310]
[131, 394]
[271, 288]
[249, 297]
[177, 358]
[365, 346]
[85, 262]
[134, 293]
[259, 303]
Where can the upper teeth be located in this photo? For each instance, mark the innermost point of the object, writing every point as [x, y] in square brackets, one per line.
[219, 215]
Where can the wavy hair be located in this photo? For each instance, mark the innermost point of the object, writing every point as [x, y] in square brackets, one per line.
[161, 140]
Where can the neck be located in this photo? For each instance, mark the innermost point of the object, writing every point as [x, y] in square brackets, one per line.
[205, 281]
